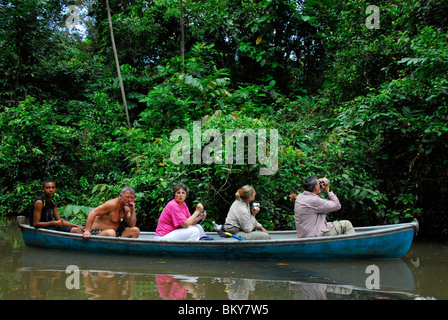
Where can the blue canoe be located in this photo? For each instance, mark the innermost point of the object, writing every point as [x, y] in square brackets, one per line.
[387, 241]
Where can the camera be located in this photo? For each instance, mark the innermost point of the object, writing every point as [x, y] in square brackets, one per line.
[201, 215]
[322, 183]
[255, 205]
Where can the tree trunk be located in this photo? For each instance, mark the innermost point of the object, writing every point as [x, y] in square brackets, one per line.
[123, 95]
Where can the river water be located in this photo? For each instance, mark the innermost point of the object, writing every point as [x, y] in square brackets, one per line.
[29, 273]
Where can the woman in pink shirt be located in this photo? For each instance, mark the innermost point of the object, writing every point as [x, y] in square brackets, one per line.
[176, 222]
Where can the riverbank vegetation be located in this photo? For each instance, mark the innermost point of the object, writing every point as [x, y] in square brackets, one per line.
[364, 105]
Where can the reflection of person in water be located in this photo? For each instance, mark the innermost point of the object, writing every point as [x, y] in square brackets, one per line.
[316, 291]
[108, 285]
[40, 283]
[239, 289]
[177, 288]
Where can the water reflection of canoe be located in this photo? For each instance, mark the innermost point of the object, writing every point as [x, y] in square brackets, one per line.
[389, 241]
[394, 274]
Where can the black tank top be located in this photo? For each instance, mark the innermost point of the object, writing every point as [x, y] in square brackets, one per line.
[46, 214]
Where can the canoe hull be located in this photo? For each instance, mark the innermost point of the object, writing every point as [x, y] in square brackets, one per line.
[390, 242]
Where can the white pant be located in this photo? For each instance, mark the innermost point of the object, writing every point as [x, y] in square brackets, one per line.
[194, 232]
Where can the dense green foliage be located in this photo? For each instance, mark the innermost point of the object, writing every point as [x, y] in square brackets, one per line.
[366, 108]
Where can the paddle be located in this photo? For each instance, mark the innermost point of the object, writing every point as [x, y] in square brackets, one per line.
[234, 236]
[221, 233]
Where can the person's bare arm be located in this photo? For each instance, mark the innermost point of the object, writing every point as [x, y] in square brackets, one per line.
[194, 217]
[131, 217]
[64, 222]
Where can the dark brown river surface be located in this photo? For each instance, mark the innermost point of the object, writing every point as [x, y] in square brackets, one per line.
[30, 274]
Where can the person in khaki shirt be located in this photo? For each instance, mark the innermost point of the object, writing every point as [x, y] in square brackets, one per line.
[241, 219]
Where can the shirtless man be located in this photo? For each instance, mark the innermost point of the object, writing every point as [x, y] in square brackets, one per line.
[114, 218]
